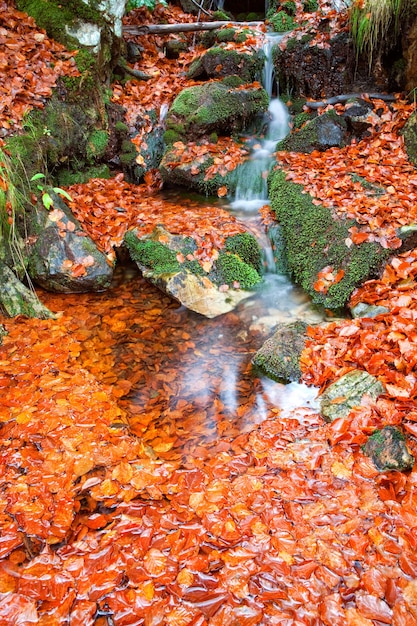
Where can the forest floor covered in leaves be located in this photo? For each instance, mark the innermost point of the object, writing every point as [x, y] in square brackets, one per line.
[126, 499]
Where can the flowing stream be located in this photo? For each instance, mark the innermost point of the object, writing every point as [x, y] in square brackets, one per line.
[198, 382]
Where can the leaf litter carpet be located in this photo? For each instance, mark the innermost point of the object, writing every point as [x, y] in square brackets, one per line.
[145, 476]
[140, 488]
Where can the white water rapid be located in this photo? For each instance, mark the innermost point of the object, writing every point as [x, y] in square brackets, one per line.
[251, 191]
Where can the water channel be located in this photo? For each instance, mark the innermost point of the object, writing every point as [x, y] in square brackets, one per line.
[193, 382]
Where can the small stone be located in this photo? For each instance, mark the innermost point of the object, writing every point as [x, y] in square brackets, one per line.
[388, 450]
[347, 392]
[362, 309]
[279, 357]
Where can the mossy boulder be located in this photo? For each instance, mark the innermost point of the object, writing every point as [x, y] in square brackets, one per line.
[388, 450]
[62, 257]
[321, 133]
[219, 62]
[279, 356]
[314, 239]
[224, 107]
[347, 392]
[66, 137]
[164, 259]
[86, 24]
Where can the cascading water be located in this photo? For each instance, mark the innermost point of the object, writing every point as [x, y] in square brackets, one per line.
[213, 394]
[251, 189]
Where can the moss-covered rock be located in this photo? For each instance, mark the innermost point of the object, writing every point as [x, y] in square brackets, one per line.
[220, 107]
[219, 62]
[321, 133]
[314, 239]
[347, 392]
[282, 22]
[18, 299]
[279, 357]
[86, 24]
[205, 292]
[388, 450]
[63, 137]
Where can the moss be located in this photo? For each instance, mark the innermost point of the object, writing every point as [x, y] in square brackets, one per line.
[230, 269]
[314, 240]
[54, 15]
[128, 153]
[310, 6]
[242, 36]
[300, 119]
[233, 81]
[121, 127]
[170, 137]
[289, 7]
[226, 34]
[246, 247]
[282, 22]
[221, 16]
[153, 254]
[97, 144]
[66, 178]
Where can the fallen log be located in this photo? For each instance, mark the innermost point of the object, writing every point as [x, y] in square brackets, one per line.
[166, 29]
[347, 96]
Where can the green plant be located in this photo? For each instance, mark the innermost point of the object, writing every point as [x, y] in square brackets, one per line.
[147, 4]
[246, 247]
[47, 199]
[310, 6]
[231, 269]
[375, 25]
[282, 22]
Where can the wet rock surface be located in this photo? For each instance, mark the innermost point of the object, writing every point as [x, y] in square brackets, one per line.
[62, 257]
[387, 448]
[279, 356]
[347, 392]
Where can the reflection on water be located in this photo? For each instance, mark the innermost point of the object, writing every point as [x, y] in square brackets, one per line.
[193, 380]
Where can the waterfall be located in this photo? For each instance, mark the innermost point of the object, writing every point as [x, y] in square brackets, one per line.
[251, 188]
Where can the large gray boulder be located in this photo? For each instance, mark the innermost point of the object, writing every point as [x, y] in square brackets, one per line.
[62, 257]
